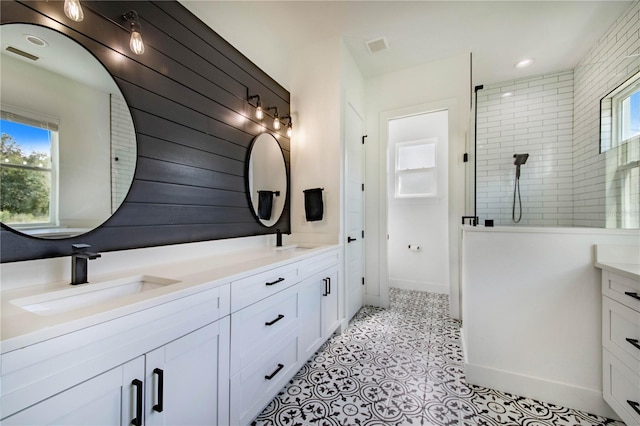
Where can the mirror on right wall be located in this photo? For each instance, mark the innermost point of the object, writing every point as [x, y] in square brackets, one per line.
[267, 179]
[571, 177]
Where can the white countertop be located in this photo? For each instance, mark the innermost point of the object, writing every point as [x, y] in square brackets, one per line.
[20, 327]
[630, 270]
[622, 260]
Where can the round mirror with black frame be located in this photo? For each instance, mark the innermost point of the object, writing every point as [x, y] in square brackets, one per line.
[266, 179]
[68, 142]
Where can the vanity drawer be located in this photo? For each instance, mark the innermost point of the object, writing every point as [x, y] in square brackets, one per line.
[249, 290]
[621, 332]
[318, 264]
[621, 389]
[257, 326]
[257, 384]
[623, 289]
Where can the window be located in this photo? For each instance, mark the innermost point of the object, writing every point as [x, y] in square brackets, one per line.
[620, 115]
[629, 114]
[27, 171]
[416, 169]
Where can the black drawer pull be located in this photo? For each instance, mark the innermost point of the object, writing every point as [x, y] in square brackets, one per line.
[634, 342]
[275, 320]
[158, 407]
[329, 280]
[325, 287]
[137, 420]
[279, 280]
[272, 375]
[632, 294]
[634, 405]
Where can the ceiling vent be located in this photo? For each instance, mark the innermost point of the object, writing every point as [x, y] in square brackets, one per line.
[22, 53]
[377, 45]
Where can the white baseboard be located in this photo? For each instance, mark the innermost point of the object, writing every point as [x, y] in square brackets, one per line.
[562, 394]
[372, 300]
[419, 285]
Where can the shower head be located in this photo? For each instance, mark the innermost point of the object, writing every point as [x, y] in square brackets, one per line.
[520, 159]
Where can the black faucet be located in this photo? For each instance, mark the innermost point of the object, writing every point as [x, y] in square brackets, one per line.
[278, 238]
[79, 263]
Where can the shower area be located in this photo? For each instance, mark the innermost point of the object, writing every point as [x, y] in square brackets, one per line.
[542, 154]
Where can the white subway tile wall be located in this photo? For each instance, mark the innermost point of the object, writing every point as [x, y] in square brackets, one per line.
[609, 63]
[123, 147]
[537, 119]
[555, 118]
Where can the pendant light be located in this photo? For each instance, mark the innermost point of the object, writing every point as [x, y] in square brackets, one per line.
[259, 112]
[73, 10]
[289, 125]
[135, 44]
[276, 120]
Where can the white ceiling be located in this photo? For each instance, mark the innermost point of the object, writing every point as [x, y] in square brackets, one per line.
[557, 34]
[61, 55]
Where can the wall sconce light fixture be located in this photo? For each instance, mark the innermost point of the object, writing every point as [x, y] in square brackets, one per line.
[259, 112]
[276, 120]
[73, 10]
[289, 125]
[135, 44]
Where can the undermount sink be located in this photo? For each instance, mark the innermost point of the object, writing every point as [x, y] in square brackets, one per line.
[293, 247]
[84, 295]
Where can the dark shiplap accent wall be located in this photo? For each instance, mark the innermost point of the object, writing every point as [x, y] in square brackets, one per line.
[187, 95]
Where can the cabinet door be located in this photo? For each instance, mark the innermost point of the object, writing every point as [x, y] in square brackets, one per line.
[107, 399]
[310, 314]
[331, 304]
[187, 380]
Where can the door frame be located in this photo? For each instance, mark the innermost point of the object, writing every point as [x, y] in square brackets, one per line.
[455, 188]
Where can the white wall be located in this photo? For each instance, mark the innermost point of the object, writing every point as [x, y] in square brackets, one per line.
[532, 312]
[316, 143]
[536, 119]
[83, 115]
[418, 222]
[437, 81]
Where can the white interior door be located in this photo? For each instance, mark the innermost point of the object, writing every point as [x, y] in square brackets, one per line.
[354, 246]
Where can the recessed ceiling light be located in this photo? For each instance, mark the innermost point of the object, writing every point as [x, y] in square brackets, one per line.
[35, 40]
[524, 63]
[507, 94]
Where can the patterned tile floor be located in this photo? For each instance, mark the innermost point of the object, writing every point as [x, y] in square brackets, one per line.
[403, 366]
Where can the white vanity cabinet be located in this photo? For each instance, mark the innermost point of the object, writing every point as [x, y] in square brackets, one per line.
[117, 372]
[178, 383]
[330, 303]
[215, 354]
[273, 336]
[102, 400]
[621, 345]
[319, 310]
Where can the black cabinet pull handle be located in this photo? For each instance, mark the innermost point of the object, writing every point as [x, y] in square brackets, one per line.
[329, 280]
[279, 280]
[632, 294]
[275, 320]
[634, 342]
[137, 420]
[349, 239]
[634, 405]
[160, 373]
[272, 375]
[325, 287]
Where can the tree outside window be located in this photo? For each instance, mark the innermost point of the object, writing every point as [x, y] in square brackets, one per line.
[26, 173]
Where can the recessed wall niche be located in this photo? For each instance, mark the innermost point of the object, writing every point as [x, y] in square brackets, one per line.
[188, 99]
